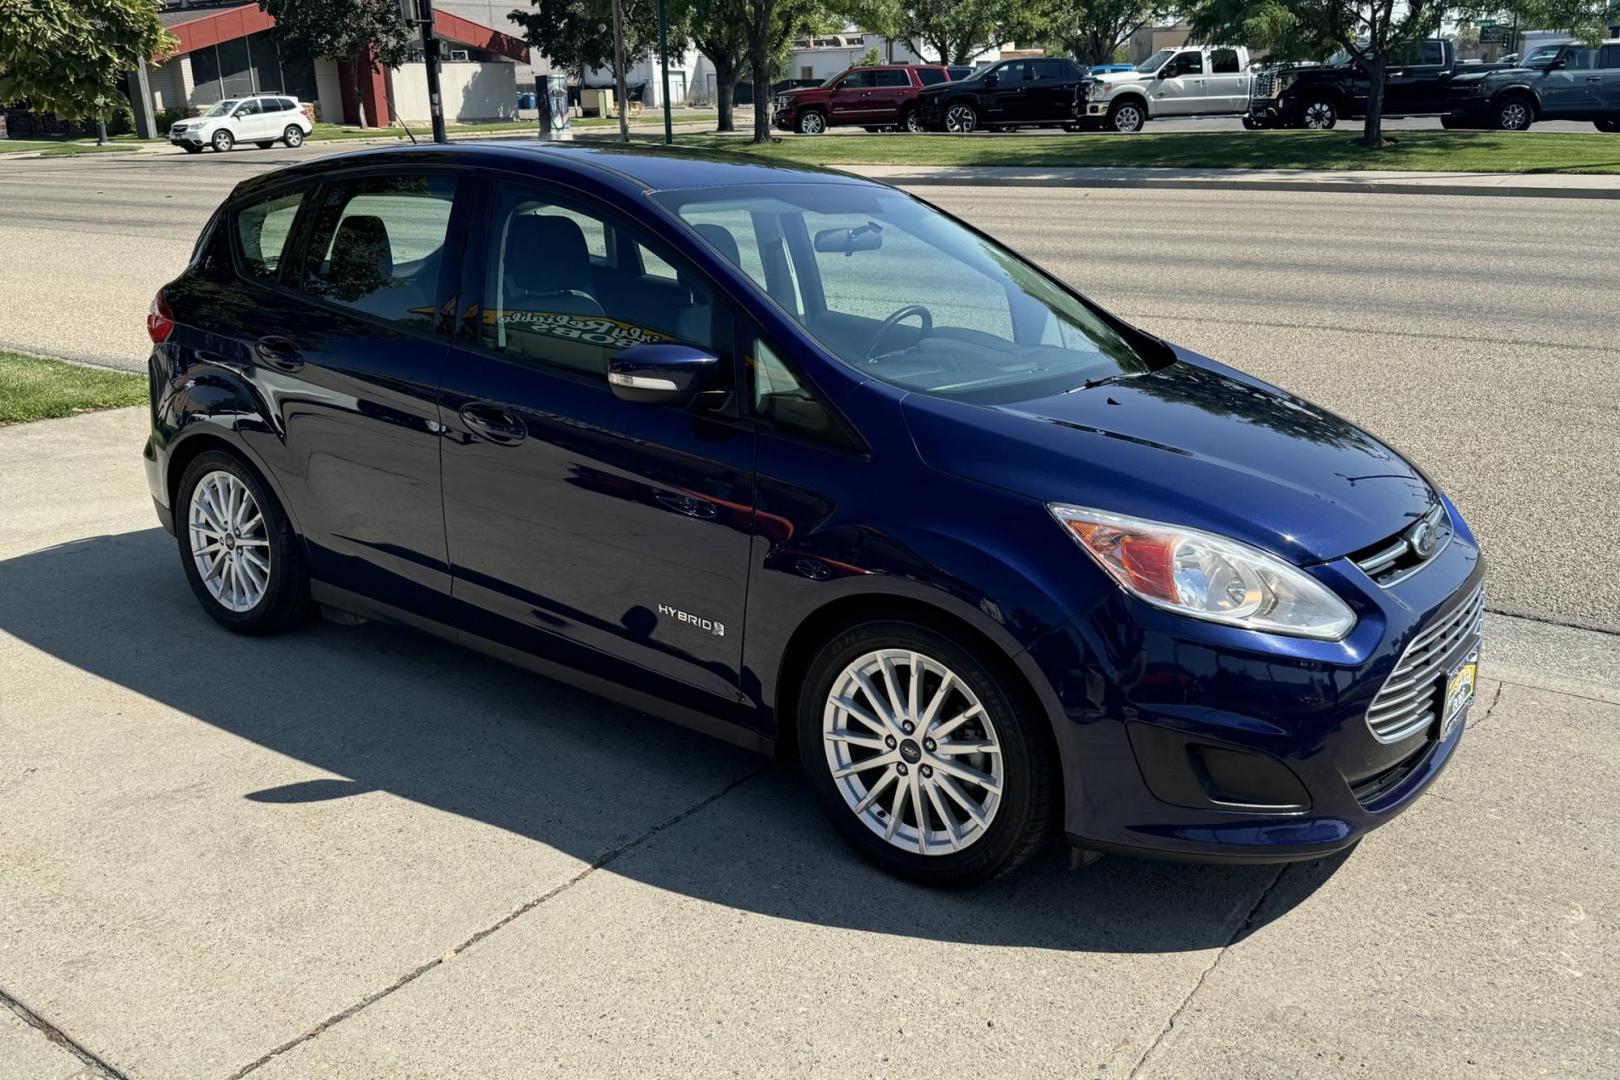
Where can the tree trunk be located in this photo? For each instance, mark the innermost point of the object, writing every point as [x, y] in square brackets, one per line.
[618, 70]
[101, 131]
[759, 61]
[1372, 132]
[725, 93]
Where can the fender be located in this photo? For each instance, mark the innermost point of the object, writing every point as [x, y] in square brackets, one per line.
[1519, 88]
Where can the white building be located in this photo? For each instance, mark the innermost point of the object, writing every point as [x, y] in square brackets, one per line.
[691, 79]
[825, 56]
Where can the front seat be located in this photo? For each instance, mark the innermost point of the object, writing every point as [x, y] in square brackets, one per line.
[362, 261]
[694, 322]
[548, 267]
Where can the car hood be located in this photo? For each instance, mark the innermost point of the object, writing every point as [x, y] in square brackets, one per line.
[1192, 443]
[1115, 78]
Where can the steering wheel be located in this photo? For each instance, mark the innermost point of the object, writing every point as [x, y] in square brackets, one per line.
[894, 320]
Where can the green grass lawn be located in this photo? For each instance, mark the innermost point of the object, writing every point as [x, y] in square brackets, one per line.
[1432, 151]
[32, 388]
[424, 132]
[60, 147]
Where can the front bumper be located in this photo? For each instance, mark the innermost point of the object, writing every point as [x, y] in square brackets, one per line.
[1273, 112]
[1470, 111]
[1194, 741]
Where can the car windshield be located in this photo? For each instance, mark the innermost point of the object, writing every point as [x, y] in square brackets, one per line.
[976, 74]
[222, 108]
[828, 82]
[902, 292]
[1155, 62]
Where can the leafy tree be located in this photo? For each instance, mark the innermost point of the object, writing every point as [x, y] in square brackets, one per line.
[769, 27]
[1093, 31]
[947, 31]
[373, 32]
[66, 56]
[577, 35]
[1588, 20]
[1368, 30]
[869, 57]
[720, 36]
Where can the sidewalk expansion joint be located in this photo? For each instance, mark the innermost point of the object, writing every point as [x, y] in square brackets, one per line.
[1242, 930]
[94, 1064]
[409, 977]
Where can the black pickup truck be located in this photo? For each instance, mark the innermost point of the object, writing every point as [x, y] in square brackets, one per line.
[1417, 82]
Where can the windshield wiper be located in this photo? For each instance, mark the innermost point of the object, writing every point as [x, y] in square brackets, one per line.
[1104, 380]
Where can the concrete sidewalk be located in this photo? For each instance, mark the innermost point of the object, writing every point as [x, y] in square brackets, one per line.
[1552, 186]
[362, 853]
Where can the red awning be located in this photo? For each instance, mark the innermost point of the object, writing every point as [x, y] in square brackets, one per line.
[213, 26]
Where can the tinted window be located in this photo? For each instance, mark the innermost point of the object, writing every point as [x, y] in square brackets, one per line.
[1189, 63]
[546, 299]
[891, 78]
[931, 76]
[1611, 57]
[1432, 52]
[1223, 61]
[1010, 74]
[780, 398]
[1046, 70]
[378, 246]
[856, 80]
[996, 329]
[262, 230]
[248, 107]
[1580, 58]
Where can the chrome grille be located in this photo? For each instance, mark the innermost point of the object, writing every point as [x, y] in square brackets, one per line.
[1411, 697]
[1393, 560]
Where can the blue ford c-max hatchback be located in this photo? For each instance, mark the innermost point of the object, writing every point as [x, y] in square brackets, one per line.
[800, 461]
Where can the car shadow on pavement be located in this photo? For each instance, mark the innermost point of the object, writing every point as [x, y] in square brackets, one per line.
[385, 709]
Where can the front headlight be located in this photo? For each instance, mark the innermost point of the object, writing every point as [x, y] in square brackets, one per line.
[1206, 576]
[781, 101]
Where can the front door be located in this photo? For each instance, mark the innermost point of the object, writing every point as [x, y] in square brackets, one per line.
[1006, 98]
[1574, 89]
[356, 362]
[851, 103]
[1181, 90]
[580, 526]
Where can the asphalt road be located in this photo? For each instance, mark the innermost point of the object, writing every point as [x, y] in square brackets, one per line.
[1477, 334]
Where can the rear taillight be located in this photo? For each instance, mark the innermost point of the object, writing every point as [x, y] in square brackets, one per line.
[159, 319]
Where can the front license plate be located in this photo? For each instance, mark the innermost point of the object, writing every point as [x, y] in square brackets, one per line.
[1459, 695]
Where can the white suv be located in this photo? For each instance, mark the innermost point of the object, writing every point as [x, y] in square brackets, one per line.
[263, 121]
[1193, 80]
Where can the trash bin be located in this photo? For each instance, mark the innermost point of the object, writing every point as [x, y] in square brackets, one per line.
[528, 101]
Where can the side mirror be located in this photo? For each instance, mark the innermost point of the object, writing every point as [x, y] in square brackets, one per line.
[1166, 72]
[660, 374]
[1558, 65]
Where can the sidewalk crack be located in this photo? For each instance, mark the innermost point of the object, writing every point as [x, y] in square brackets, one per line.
[1238, 934]
[94, 1064]
[411, 976]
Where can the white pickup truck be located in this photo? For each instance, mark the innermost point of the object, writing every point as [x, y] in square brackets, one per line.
[1192, 80]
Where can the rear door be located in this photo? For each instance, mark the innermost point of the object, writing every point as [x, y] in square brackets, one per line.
[1609, 88]
[1226, 86]
[580, 526]
[354, 368]
[1416, 80]
[1049, 92]
[891, 88]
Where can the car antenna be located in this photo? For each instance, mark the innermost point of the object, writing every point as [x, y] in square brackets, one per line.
[397, 119]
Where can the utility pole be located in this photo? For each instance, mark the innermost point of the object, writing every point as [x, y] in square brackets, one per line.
[430, 61]
[663, 51]
[618, 69]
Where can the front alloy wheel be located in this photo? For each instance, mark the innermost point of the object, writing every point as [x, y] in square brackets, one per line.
[812, 123]
[961, 119]
[923, 755]
[1127, 118]
[223, 140]
[1319, 115]
[1513, 115]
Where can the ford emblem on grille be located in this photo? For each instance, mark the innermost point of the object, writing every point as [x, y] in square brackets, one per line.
[1422, 538]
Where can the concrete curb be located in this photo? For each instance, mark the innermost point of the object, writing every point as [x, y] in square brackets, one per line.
[1564, 186]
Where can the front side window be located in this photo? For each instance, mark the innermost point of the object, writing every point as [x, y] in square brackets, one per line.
[900, 291]
[378, 246]
[1010, 74]
[548, 298]
[262, 231]
[1190, 63]
[857, 80]
[1580, 58]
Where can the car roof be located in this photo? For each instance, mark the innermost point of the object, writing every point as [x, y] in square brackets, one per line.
[631, 169]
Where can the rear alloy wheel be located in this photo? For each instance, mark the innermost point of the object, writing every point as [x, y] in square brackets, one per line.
[912, 122]
[961, 119]
[1319, 114]
[812, 122]
[920, 758]
[1514, 114]
[240, 554]
[1127, 117]
[293, 136]
[223, 140]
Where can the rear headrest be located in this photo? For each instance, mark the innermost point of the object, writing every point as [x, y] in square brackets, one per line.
[547, 254]
[719, 237]
[362, 258]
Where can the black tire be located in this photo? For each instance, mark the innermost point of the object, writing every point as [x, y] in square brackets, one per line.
[1127, 116]
[1608, 126]
[1251, 123]
[1449, 124]
[911, 122]
[293, 136]
[1319, 114]
[1513, 113]
[1026, 816]
[188, 148]
[222, 141]
[265, 144]
[286, 598]
[812, 122]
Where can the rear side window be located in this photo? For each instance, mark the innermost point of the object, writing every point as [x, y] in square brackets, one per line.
[262, 232]
[1224, 61]
[891, 77]
[378, 246]
[932, 76]
[1611, 57]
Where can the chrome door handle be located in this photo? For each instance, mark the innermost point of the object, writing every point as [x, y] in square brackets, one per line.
[278, 352]
[1594, 78]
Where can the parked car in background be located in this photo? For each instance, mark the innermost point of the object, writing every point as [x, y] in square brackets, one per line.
[1195, 80]
[263, 120]
[795, 459]
[1039, 92]
[1561, 82]
[1417, 82]
[1107, 69]
[960, 71]
[873, 96]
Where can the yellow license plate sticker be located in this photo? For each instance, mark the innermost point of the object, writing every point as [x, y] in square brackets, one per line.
[1459, 692]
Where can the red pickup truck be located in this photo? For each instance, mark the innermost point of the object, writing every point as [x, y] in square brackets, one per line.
[873, 97]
